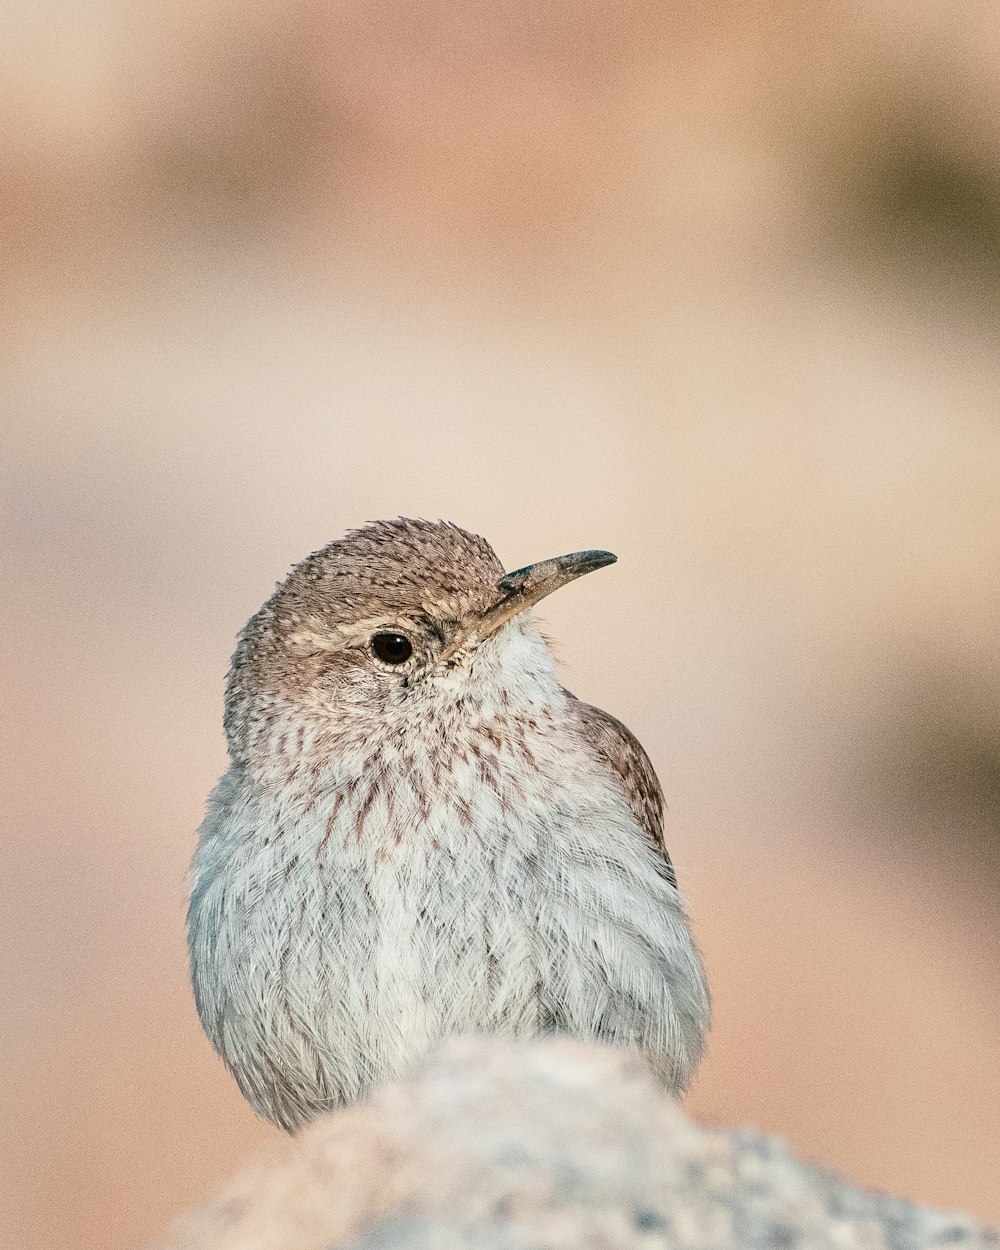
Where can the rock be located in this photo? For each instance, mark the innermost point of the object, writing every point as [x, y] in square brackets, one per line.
[553, 1145]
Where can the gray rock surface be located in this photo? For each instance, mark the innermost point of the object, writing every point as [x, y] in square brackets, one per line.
[545, 1146]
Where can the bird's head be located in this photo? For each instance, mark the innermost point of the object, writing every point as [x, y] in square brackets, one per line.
[389, 624]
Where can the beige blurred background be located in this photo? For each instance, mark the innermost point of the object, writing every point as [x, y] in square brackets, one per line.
[712, 285]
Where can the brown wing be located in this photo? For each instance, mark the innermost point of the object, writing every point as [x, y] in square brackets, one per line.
[622, 751]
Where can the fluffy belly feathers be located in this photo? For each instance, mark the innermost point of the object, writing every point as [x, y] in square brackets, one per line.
[330, 953]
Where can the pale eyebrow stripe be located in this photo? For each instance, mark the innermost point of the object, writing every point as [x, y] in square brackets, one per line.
[355, 633]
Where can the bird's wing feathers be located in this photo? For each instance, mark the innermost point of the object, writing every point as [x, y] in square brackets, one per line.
[623, 752]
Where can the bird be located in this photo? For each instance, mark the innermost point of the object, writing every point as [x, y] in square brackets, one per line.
[422, 833]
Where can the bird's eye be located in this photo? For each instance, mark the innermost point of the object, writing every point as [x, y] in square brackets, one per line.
[392, 648]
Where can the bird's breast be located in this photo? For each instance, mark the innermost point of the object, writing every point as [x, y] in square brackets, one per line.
[487, 883]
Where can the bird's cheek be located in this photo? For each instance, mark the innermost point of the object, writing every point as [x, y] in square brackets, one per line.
[449, 680]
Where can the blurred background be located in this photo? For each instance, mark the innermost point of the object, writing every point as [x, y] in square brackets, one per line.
[713, 285]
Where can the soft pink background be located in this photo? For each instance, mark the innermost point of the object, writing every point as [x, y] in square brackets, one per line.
[713, 286]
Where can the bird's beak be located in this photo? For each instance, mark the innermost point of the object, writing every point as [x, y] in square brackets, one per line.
[524, 588]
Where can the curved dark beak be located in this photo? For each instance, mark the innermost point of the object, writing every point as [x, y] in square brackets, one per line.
[523, 589]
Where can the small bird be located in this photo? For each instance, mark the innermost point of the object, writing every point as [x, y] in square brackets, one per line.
[422, 833]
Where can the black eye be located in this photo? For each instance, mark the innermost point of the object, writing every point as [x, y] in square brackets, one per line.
[392, 648]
